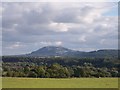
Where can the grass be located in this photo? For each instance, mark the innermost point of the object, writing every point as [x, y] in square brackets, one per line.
[60, 83]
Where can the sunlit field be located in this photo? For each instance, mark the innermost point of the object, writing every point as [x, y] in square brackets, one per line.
[60, 83]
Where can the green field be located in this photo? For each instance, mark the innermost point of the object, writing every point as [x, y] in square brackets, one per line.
[60, 83]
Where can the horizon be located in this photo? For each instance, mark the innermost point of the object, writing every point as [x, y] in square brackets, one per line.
[83, 26]
[57, 46]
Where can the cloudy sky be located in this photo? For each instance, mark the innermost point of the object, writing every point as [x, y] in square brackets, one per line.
[80, 26]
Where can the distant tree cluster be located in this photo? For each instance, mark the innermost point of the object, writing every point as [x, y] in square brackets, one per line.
[65, 61]
[59, 67]
[26, 69]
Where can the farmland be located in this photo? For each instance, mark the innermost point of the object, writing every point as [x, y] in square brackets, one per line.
[60, 83]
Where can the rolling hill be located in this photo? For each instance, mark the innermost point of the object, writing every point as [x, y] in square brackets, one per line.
[52, 51]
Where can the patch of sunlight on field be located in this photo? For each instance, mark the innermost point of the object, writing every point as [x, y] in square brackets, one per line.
[60, 83]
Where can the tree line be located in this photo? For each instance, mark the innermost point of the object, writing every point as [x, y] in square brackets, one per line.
[55, 70]
[65, 61]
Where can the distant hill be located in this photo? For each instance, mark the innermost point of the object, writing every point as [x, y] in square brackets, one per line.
[52, 51]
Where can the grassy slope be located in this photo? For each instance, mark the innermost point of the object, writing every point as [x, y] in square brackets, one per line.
[60, 83]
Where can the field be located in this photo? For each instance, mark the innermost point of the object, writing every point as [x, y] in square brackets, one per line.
[60, 83]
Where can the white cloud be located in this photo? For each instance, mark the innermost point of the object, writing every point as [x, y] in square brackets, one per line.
[59, 27]
[15, 45]
[45, 43]
[59, 43]
[82, 38]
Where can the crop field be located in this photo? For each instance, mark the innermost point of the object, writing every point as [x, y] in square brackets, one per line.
[59, 83]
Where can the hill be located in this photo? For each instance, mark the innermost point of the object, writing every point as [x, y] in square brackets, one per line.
[55, 51]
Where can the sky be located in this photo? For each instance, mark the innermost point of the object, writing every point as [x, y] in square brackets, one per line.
[83, 26]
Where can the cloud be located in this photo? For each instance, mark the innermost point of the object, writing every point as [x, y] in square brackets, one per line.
[15, 45]
[82, 38]
[59, 27]
[58, 43]
[83, 26]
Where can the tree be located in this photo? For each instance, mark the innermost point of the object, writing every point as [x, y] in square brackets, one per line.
[26, 69]
[9, 73]
[32, 74]
[77, 71]
[47, 75]
[15, 74]
[40, 71]
[71, 71]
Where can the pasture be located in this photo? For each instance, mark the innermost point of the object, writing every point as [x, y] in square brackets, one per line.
[59, 83]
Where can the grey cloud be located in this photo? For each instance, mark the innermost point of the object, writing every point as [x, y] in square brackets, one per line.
[67, 16]
[30, 26]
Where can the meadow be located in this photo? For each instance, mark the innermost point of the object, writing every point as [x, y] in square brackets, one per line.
[59, 83]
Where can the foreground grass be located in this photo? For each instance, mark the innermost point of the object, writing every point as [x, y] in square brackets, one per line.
[60, 83]
[0, 83]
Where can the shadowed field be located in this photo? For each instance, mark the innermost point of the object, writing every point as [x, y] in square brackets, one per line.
[60, 83]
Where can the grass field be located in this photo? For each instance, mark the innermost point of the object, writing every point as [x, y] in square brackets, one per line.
[60, 83]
